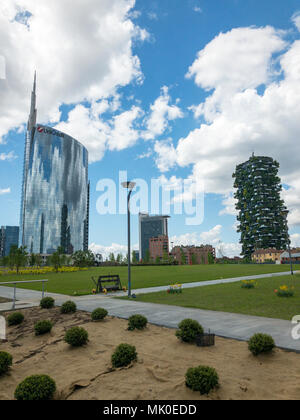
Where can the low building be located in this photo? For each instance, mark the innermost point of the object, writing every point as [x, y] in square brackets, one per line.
[193, 254]
[285, 257]
[159, 247]
[261, 256]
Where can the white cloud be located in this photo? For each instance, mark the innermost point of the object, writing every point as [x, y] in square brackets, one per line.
[197, 9]
[229, 203]
[113, 248]
[212, 236]
[161, 113]
[295, 240]
[60, 39]
[5, 191]
[8, 156]
[166, 155]
[296, 20]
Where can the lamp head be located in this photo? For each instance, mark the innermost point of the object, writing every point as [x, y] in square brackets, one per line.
[128, 185]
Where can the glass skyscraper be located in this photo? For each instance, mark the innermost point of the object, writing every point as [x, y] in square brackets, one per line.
[55, 193]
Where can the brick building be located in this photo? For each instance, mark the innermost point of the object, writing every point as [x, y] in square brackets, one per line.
[159, 247]
[193, 254]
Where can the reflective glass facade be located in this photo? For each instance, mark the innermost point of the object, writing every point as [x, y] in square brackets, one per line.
[9, 236]
[55, 194]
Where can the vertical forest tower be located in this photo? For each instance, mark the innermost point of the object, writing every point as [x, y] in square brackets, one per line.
[262, 224]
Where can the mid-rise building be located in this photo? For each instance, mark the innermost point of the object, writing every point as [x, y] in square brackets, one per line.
[190, 255]
[150, 227]
[159, 247]
[55, 193]
[9, 236]
[261, 256]
[261, 220]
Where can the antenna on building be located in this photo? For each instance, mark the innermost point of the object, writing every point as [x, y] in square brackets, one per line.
[33, 110]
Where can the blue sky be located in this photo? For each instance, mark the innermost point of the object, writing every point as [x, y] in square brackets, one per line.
[166, 89]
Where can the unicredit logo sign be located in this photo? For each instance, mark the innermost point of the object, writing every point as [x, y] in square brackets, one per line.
[49, 131]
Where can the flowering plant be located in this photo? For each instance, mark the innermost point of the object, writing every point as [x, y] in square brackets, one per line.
[249, 284]
[175, 288]
[285, 291]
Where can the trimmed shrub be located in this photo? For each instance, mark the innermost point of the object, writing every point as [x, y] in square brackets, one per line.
[123, 355]
[138, 322]
[47, 303]
[261, 343]
[188, 330]
[68, 307]
[202, 378]
[43, 327]
[36, 388]
[15, 319]
[5, 362]
[76, 337]
[99, 314]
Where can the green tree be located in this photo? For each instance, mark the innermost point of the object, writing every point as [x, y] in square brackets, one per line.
[112, 257]
[119, 258]
[211, 259]
[194, 259]
[83, 258]
[147, 257]
[18, 257]
[133, 258]
[165, 257]
[57, 259]
[157, 260]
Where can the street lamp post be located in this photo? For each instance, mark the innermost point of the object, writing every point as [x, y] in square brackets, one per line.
[285, 215]
[129, 186]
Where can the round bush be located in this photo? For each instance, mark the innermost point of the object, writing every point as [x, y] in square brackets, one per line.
[43, 327]
[36, 388]
[47, 303]
[123, 355]
[68, 307]
[261, 343]
[15, 319]
[188, 330]
[5, 362]
[99, 314]
[202, 378]
[138, 322]
[76, 337]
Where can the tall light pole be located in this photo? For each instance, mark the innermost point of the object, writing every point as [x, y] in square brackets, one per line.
[285, 215]
[129, 186]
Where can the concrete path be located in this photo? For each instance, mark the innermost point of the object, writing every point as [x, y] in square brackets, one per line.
[223, 324]
[203, 283]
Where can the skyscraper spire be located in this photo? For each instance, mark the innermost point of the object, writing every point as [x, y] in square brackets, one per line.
[33, 110]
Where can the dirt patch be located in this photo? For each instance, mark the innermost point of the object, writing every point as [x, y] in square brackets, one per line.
[86, 373]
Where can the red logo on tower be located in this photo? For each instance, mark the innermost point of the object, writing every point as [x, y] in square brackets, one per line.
[40, 129]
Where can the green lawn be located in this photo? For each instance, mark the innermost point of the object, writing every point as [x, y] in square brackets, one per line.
[260, 301]
[81, 283]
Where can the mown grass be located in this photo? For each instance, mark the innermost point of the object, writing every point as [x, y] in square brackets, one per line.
[261, 301]
[80, 283]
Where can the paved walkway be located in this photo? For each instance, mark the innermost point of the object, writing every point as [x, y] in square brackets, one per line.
[223, 324]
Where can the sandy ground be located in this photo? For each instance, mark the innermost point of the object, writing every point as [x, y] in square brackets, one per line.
[86, 373]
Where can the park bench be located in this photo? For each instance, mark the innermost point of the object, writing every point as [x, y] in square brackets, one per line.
[111, 283]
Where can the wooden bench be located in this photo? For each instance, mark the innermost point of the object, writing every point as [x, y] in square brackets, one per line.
[111, 283]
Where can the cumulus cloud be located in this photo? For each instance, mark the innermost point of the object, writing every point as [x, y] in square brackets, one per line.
[252, 81]
[296, 20]
[161, 113]
[59, 40]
